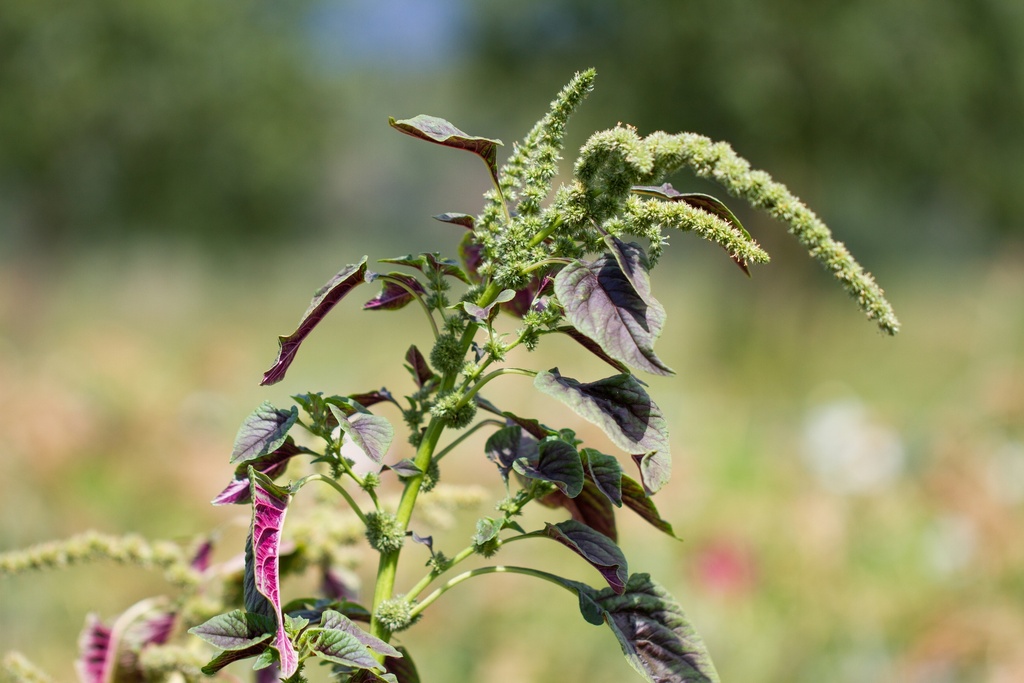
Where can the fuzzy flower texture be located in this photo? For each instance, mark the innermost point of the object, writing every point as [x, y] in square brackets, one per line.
[615, 191]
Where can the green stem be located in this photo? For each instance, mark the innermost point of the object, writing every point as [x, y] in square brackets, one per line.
[488, 377]
[336, 486]
[546, 232]
[469, 432]
[415, 295]
[421, 586]
[500, 569]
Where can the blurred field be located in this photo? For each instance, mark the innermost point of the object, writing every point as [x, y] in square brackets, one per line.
[850, 504]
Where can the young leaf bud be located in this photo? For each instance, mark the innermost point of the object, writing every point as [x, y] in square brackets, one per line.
[446, 355]
[395, 615]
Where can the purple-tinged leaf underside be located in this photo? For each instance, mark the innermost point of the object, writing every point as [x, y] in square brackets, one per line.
[335, 620]
[371, 398]
[532, 426]
[509, 444]
[393, 295]
[235, 630]
[439, 131]
[590, 507]
[637, 500]
[592, 346]
[557, 462]
[269, 506]
[323, 301]
[273, 465]
[97, 652]
[655, 469]
[704, 202]
[606, 473]
[403, 668]
[430, 263]
[656, 637]
[619, 405]
[601, 302]
[418, 366]
[594, 547]
[463, 219]
[262, 432]
[372, 434]
[487, 313]
[405, 468]
[633, 263]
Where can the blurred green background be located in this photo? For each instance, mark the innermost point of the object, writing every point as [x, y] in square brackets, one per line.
[176, 178]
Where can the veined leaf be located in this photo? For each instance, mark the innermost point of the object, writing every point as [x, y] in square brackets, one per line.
[269, 505]
[418, 366]
[97, 652]
[602, 301]
[654, 633]
[619, 405]
[430, 263]
[509, 444]
[372, 434]
[236, 630]
[394, 296]
[273, 465]
[108, 654]
[655, 469]
[487, 313]
[437, 130]
[596, 548]
[341, 648]
[332, 619]
[636, 499]
[592, 346]
[606, 473]
[557, 462]
[231, 656]
[262, 432]
[323, 301]
[590, 507]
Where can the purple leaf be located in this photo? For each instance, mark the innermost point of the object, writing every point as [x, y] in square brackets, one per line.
[405, 468]
[372, 434]
[557, 462]
[418, 366]
[430, 263]
[509, 444]
[654, 633]
[618, 405]
[463, 219]
[393, 295]
[594, 547]
[97, 652]
[437, 130]
[262, 432]
[273, 465]
[487, 313]
[636, 499]
[323, 301]
[704, 202]
[592, 346]
[371, 398]
[606, 473]
[532, 426]
[269, 505]
[471, 253]
[612, 305]
[334, 584]
[236, 630]
[591, 507]
[201, 557]
[402, 667]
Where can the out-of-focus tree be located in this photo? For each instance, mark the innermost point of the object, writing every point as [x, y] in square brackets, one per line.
[182, 117]
[904, 116]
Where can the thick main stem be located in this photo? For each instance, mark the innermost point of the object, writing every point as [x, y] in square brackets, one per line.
[387, 568]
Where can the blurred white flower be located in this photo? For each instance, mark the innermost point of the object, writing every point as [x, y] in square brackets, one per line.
[849, 452]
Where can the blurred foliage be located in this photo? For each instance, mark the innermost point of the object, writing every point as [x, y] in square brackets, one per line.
[903, 119]
[183, 117]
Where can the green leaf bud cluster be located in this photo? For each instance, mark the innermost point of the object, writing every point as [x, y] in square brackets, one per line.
[384, 532]
[450, 408]
[395, 614]
[446, 356]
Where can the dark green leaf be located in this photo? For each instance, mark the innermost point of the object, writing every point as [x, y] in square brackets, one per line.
[619, 405]
[589, 608]
[509, 444]
[262, 432]
[231, 656]
[236, 630]
[332, 619]
[557, 462]
[533, 427]
[596, 548]
[606, 473]
[394, 296]
[602, 302]
[430, 263]
[654, 633]
[636, 499]
[323, 301]
[340, 647]
[434, 129]
[463, 219]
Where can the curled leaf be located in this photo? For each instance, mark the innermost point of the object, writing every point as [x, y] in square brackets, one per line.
[418, 366]
[606, 473]
[596, 548]
[393, 294]
[637, 500]
[372, 434]
[437, 130]
[323, 301]
[509, 444]
[236, 630]
[590, 507]
[557, 462]
[273, 465]
[463, 219]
